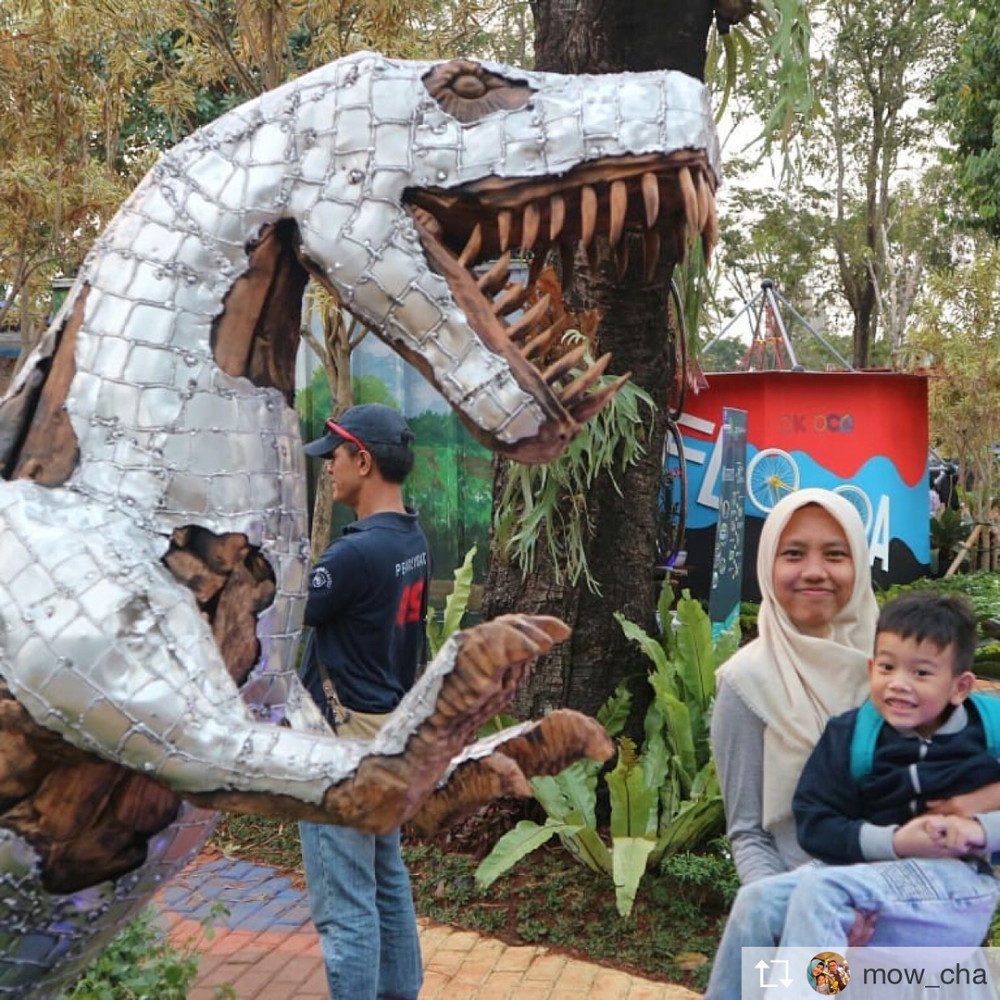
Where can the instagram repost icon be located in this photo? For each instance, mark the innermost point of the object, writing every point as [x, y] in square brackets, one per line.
[828, 973]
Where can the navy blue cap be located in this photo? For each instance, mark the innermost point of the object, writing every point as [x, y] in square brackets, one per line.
[367, 425]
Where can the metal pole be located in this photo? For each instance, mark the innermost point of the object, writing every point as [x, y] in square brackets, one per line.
[746, 306]
[815, 333]
[773, 302]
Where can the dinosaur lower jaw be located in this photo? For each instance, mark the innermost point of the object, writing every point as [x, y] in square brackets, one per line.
[470, 236]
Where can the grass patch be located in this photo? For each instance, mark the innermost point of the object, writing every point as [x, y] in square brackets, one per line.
[549, 899]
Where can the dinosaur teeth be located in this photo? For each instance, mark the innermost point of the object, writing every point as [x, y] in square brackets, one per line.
[530, 318]
[557, 216]
[619, 207]
[651, 198]
[428, 220]
[541, 343]
[472, 247]
[585, 408]
[704, 197]
[503, 228]
[512, 298]
[496, 277]
[582, 383]
[530, 222]
[566, 363]
[690, 197]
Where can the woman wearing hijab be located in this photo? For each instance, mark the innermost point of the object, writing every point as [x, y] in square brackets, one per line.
[817, 624]
[816, 627]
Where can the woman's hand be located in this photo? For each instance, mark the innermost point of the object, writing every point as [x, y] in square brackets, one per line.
[931, 836]
[982, 800]
[964, 835]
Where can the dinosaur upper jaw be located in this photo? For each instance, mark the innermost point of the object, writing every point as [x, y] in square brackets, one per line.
[471, 233]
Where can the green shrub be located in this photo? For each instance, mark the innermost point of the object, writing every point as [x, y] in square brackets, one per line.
[141, 963]
[712, 873]
[665, 798]
[982, 590]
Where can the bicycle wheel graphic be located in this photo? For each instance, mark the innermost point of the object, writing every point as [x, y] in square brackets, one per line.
[771, 474]
[858, 499]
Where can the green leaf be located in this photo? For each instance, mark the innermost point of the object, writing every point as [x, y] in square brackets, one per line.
[573, 790]
[664, 610]
[614, 712]
[435, 638]
[629, 858]
[496, 724]
[457, 602]
[678, 719]
[695, 651]
[706, 782]
[726, 643]
[646, 643]
[586, 846]
[694, 824]
[633, 802]
[512, 846]
[654, 749]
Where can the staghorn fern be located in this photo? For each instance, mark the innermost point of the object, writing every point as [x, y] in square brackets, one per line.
[544, 507]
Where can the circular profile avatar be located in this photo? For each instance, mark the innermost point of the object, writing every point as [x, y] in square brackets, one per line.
[828, 973]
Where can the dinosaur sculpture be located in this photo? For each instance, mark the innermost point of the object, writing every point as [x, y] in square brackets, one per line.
[153, 544]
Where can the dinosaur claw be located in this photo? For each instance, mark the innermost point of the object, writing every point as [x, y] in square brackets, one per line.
[472, 678]
[502, 764]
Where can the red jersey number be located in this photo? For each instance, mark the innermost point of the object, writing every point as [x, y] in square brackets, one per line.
[410, 604]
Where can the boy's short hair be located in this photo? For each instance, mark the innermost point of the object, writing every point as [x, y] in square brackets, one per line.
[929, 616]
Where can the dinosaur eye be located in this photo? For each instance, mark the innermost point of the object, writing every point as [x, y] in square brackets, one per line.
[467, 91]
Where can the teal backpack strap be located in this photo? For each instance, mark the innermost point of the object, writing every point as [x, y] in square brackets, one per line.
[867, 726]
[988, 706]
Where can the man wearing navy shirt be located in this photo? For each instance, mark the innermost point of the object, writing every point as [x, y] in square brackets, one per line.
[367, 606]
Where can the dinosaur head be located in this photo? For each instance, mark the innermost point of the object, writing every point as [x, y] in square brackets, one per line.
[453, 169]
[406, 188]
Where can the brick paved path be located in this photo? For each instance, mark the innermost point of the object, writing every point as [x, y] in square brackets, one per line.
[267, 948]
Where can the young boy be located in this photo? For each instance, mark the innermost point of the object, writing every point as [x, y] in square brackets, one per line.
[861, 802]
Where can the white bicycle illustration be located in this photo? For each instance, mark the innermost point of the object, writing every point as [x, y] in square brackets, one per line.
[772, 473]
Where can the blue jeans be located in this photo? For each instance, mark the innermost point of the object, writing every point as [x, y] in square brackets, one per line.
[362, 906]
[938, 903]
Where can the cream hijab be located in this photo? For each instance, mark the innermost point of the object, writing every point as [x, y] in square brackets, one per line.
[794, 682]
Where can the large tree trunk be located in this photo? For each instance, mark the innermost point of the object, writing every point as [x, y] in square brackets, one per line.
[588, 36]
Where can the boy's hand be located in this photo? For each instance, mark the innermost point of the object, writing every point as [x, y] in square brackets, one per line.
[862, 929]
[923, 837]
